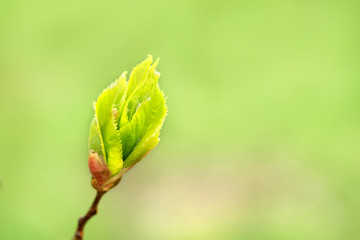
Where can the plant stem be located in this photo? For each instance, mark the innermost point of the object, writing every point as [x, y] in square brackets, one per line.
[83, 220]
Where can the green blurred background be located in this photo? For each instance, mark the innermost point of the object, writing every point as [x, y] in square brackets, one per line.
[262, 137]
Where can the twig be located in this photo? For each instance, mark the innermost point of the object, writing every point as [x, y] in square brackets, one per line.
[83, 220]
[101, 190]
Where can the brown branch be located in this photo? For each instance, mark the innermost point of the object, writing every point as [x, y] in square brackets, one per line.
[83, 220]
[101, 190]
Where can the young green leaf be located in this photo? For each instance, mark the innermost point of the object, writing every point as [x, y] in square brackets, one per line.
[142, 133]
[108, 129]
[95, 141]
[137, 77]
[144, 91]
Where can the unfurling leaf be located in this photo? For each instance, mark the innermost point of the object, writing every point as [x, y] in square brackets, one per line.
[127, 122]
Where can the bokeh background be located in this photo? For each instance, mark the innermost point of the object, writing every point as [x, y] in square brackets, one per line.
[262, 137]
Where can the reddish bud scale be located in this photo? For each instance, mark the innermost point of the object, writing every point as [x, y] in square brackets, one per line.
[98, 168]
